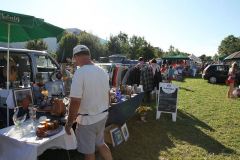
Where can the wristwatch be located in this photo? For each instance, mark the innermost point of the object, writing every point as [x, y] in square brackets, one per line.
[68, 124]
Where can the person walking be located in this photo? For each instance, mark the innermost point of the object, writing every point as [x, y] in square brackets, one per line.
[89, 102]
[170, 74]
[231, 79]
[194, 68]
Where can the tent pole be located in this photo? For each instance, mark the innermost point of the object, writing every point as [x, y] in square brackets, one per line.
[8, 72]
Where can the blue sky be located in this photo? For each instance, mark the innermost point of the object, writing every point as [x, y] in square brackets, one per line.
[192, 26]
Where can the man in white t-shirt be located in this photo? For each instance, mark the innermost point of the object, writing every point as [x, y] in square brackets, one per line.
[89, 101]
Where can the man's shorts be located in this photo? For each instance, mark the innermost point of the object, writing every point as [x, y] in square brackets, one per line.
[89, 136]
[170, 78]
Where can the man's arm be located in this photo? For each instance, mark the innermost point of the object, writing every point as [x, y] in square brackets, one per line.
[72, 112]
[109, 101]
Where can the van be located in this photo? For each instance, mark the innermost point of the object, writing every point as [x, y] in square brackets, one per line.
[30, 61]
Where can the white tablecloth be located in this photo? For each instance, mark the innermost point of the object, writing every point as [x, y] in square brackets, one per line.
[11, 148]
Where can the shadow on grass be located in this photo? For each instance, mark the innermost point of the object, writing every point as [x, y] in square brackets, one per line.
[186, 89]
[187, 129]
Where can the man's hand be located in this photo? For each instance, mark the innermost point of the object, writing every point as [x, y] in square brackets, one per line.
[68, 129]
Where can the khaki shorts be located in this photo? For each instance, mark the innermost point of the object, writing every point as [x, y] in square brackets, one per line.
[89, 136]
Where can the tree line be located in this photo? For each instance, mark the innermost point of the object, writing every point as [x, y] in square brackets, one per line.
[133, 47]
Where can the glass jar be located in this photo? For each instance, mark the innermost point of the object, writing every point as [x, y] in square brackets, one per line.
[46, 124]
[56, 124]
[50, 126]
[41, 130]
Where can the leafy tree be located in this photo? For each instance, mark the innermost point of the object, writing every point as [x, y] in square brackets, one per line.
[124, 44]
[65, 47]
[215, 57]
[208, 58]
[36, 44]
[160, 53]
[93, 43]
[54, 55]
[229, 45]
[202, 57]
[136, 49]
[113, 45]
[171, 50]
[149, 51]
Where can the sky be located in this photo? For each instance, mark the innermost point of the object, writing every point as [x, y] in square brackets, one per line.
[191, 26]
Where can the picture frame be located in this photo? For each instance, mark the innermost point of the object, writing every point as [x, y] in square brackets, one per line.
[125, 132]
[55, 87]
[116, 137]
[22, 97]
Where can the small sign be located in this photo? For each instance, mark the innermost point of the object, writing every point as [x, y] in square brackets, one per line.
[167, 99]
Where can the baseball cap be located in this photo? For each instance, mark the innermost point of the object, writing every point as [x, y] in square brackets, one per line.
[80, 48]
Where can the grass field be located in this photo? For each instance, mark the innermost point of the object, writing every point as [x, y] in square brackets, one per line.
[207, 127]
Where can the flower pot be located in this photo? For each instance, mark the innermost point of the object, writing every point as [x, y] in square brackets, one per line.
[142, 117]
[25, 103]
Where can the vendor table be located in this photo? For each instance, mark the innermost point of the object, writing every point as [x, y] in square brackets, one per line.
[28, 147]
[124, 111]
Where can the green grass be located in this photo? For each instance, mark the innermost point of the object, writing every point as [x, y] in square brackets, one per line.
[207, 127]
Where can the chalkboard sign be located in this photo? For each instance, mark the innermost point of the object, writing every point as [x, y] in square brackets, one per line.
[167, 99]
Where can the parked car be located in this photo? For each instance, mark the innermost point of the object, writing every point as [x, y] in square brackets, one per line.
[108, 67]
[217, 73]
[30, 61]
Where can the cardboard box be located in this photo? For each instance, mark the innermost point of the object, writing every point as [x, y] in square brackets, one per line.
[107, 134]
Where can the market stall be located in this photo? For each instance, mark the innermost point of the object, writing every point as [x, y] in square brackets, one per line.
[21, 28]
[176, 60]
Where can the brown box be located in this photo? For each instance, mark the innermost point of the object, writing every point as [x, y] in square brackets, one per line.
[107, 134]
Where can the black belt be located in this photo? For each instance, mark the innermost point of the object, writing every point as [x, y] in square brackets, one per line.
[88, 114]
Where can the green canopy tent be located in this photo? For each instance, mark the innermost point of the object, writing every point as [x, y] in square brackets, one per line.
[20, 28]
[233, 57]
[223, 57]
[176, 57]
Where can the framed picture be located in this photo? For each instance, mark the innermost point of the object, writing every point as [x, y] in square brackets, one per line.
[55, 87]
[23, 97]
[125, 132]
[116, 136]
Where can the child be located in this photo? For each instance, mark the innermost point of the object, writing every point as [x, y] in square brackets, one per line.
[170, 75]
[162, 68]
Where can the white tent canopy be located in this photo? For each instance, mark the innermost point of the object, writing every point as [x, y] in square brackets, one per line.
[194, 58]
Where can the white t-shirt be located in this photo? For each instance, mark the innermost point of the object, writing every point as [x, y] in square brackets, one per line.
[175, 72]
[91, 83]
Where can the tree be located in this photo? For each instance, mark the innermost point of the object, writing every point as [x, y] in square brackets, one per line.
[229, 45]
[93, 43]
[202, 57]
[65, 47]
[136, 49]
[113, 46]
[124, 44]
[171, 50]
[208, 58]
[36, 44]
[215, 57]
[160, 53]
